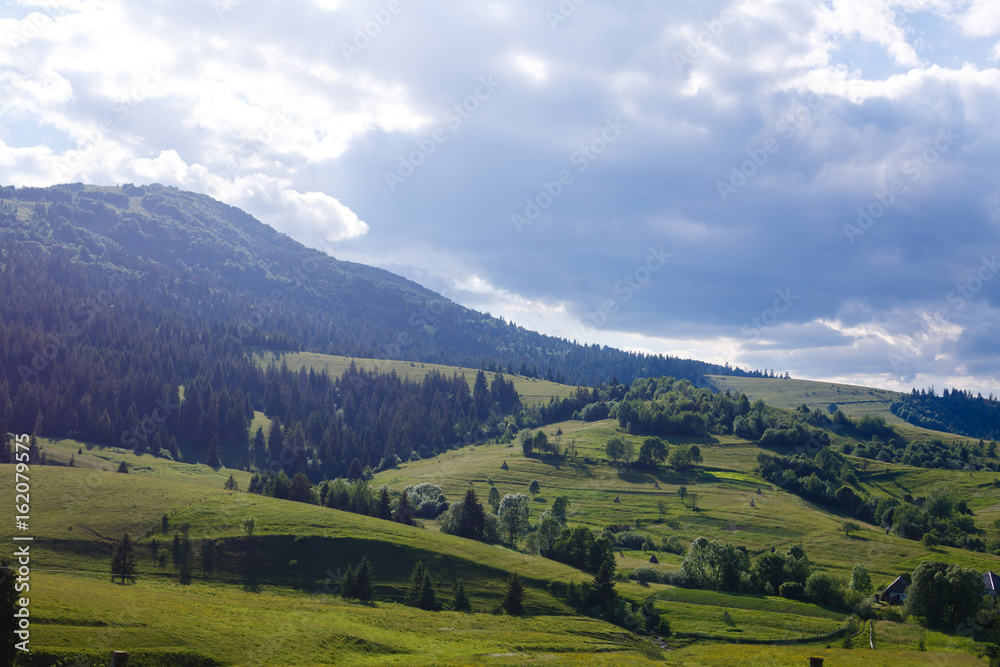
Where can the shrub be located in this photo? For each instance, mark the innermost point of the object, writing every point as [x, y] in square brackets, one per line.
[823, 589]
[673, 545]
[647, 574]
[792, 590]
[630, 540]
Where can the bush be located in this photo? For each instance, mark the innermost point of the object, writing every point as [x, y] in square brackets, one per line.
[792, 590]
[630, 540]
[673, 545]
[823, 589]
[647, 574]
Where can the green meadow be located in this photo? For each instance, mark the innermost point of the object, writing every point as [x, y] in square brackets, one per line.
[268, 598]
[531, 390]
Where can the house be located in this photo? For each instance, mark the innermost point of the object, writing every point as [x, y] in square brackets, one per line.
[895, 593]
[992, 582]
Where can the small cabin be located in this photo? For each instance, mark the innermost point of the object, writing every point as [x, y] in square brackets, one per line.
[895, 593]
[992, 583]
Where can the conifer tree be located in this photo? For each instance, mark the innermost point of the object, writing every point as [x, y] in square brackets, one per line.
[123, 561]
[384, 504]
[513, 597]
[461, 602]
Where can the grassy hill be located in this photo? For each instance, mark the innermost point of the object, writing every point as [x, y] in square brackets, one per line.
[531, 390]
[267, 601]
[853, 400]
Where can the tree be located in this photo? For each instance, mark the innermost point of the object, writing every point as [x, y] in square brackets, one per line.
[123, 467]
[461, 602]
[301, 489]
[527, 442]
[357, 583]
[123, 561]
[823, 589]
[416, 582]
[384, 504]
[861, 581]
[770, 570]
[533, 488]
[628, 452]
[559, 509]
[471, 517]
[404, 511]
[615, 448]
[422, 589]
[942, 594]
[549, 530]
[849, 527]
[513, 515]
[249, 526]
[513, 597]
[661, 507]
[602, 589]
[494, 498]
[652, 453]
[231, 484]
[214, 459]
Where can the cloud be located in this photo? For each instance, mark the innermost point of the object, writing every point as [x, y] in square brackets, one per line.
[755, 136]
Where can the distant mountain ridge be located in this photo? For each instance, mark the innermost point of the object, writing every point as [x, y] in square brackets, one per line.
[255, 286]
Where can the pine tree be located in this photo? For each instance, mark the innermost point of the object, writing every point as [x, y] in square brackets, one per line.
[214, 460]
[123, 561]
[416, 584]
[472, 520]
[427, 600]
[123, 467]
[404, 511]
[347, 583]
[461, 602]
[384, 504]
[602, 590]
[513, 597]
[231, 484]
[362, 584]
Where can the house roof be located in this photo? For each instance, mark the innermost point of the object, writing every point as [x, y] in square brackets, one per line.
[899, 585]
[992, 581]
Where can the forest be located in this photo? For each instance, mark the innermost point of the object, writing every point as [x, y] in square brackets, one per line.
[954, 411]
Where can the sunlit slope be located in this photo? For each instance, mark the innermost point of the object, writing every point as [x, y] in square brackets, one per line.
[531, 390]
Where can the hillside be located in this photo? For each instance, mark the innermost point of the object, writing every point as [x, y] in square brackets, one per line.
[217, 268]
[531, 390]
[280, 578]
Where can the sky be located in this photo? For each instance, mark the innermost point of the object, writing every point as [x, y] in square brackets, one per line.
[809, 187]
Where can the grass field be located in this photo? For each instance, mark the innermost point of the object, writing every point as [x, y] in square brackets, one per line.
[531, 390]
[268, 601]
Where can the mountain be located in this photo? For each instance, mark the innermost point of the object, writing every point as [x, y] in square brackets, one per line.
[220, 268]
